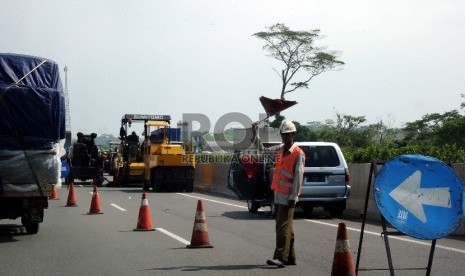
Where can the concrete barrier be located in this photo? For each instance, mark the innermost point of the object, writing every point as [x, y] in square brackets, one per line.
[213, 178]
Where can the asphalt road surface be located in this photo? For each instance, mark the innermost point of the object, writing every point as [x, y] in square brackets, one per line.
[71, 242]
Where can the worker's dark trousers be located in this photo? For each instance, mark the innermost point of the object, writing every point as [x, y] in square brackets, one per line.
[284, 234]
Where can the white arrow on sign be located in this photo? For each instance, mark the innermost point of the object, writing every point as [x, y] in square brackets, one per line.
[412, 197]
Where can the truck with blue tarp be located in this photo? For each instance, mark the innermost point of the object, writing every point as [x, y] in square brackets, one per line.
[32, 136]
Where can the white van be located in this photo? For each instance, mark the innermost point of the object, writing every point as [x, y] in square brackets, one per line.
[326, 180]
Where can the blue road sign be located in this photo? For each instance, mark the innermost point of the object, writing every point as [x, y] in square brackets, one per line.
[65, 169]
[420, 196]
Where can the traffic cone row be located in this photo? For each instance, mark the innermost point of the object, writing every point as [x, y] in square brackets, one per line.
[144, 223]
[343, 263]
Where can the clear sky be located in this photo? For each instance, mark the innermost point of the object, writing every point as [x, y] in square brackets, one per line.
[404, 59]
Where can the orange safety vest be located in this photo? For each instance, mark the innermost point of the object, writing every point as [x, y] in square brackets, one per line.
[283, 175]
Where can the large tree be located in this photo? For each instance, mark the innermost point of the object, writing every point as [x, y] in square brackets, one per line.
[423, 131]
[297, 51]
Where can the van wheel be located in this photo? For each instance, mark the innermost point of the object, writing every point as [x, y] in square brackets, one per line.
[336, 210]
[307, 210]
[252, 206]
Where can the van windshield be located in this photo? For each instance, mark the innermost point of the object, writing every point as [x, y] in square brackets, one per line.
[320, 156]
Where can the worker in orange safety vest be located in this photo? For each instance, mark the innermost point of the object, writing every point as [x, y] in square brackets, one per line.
[286, 184]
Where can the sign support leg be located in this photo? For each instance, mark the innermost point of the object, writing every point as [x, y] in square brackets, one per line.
[430, 260]
[388, 247]
[367, 196]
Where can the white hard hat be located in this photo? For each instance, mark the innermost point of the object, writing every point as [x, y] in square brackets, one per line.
[286, 127]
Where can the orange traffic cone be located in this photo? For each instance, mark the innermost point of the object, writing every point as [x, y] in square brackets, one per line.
[71, 197]
[144, 222]
[95, 204]
[343, 263]
[54, 194]
[200, 231]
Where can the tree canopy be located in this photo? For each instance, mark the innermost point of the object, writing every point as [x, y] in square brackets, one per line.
[298, 52]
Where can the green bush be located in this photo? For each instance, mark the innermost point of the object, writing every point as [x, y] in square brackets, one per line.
[374, 153]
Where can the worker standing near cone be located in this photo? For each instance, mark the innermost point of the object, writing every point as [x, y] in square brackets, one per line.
[286, 184]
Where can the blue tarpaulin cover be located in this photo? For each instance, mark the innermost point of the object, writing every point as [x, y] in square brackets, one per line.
[32, 112]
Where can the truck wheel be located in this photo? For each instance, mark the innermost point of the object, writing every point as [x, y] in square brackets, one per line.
[153, 181]
[155, 187]
[31, 227]
[145, 187]
[125, 181]
[116, 180]
[125, 176]
[190, 186]
[97, 181]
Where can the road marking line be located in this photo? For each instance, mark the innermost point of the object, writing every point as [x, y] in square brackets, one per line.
[391, 237]
[117, 207]
[176, 237]
[336, 225]
[216, 201]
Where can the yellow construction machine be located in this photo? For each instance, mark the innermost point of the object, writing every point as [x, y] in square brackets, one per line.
[132, 167]
[160, 160]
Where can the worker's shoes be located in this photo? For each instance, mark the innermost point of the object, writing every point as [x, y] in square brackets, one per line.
[275, 262]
